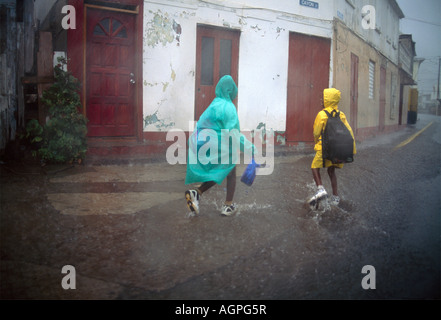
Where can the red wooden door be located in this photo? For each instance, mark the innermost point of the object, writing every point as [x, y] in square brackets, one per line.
[354, 93]
[217, 54]
[110, 78]
[308, 75]
[382, 112]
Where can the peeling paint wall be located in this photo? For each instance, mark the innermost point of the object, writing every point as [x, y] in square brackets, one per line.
[169, 56]
[162, 29]
[263, 68]
[168, 66]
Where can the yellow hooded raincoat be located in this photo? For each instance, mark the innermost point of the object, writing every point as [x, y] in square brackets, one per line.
[331, 98]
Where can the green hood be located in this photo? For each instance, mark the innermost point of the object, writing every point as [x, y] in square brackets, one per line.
[226, 88]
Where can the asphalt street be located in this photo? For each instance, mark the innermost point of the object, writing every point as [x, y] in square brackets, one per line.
[122, 230]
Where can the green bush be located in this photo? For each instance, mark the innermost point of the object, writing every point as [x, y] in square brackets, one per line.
[63, 138]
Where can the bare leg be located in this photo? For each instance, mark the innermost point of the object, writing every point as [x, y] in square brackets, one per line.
[321, 192]
[231, 186]
[333, 178]
[205, 186]
[317, 177]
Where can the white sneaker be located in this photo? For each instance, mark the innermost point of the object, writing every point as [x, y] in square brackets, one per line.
[320, 195]
[335, 200]
[192, 198]
[228, 210]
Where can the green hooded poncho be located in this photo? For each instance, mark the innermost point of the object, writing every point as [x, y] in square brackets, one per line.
[214, 145]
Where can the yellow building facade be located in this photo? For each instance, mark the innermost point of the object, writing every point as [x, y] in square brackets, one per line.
[369, 82]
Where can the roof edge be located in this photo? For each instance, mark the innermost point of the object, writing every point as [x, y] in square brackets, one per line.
[397, 8]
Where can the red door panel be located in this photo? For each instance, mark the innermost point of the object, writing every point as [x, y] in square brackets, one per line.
[217, 54]
[110, 63]
[308, 75]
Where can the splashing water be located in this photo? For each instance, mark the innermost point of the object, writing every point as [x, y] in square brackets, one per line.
[190, 215]
[322, 206]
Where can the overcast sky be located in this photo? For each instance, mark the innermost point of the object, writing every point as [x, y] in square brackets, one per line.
[423, 21]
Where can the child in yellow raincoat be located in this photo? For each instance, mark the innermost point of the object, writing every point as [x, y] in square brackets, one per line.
[331, 98]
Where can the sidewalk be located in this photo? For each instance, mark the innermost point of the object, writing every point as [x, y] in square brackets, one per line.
[279, 150]
[127, 184]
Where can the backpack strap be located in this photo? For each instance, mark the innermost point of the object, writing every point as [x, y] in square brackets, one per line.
[333, 114]
[323, 131]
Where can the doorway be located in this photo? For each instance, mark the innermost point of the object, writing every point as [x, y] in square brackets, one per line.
[354, 93]
[110, 72]
[308, 76]
[217, 54]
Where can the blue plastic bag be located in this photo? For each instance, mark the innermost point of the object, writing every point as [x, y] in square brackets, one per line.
[249, 174]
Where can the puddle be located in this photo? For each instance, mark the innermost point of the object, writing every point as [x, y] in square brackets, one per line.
[108, 203]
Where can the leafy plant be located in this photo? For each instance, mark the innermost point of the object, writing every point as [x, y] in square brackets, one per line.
[63, 138]
[34, 131]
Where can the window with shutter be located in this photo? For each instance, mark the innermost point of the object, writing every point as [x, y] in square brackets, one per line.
[371, 79]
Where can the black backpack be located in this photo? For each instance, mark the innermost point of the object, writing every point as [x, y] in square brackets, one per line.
[337, 141]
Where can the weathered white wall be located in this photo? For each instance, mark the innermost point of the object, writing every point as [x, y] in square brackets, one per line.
[263, 66]
[168, 66]
[406, 55]
[385, 36]
[169, 57]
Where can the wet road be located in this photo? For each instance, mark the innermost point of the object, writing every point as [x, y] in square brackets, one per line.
[126, 231]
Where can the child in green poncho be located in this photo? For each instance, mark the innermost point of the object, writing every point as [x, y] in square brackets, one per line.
[212, 155]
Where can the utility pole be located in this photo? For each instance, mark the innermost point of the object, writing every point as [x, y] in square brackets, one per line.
[437, 89]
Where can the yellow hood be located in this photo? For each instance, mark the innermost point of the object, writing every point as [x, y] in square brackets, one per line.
[331, 98]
